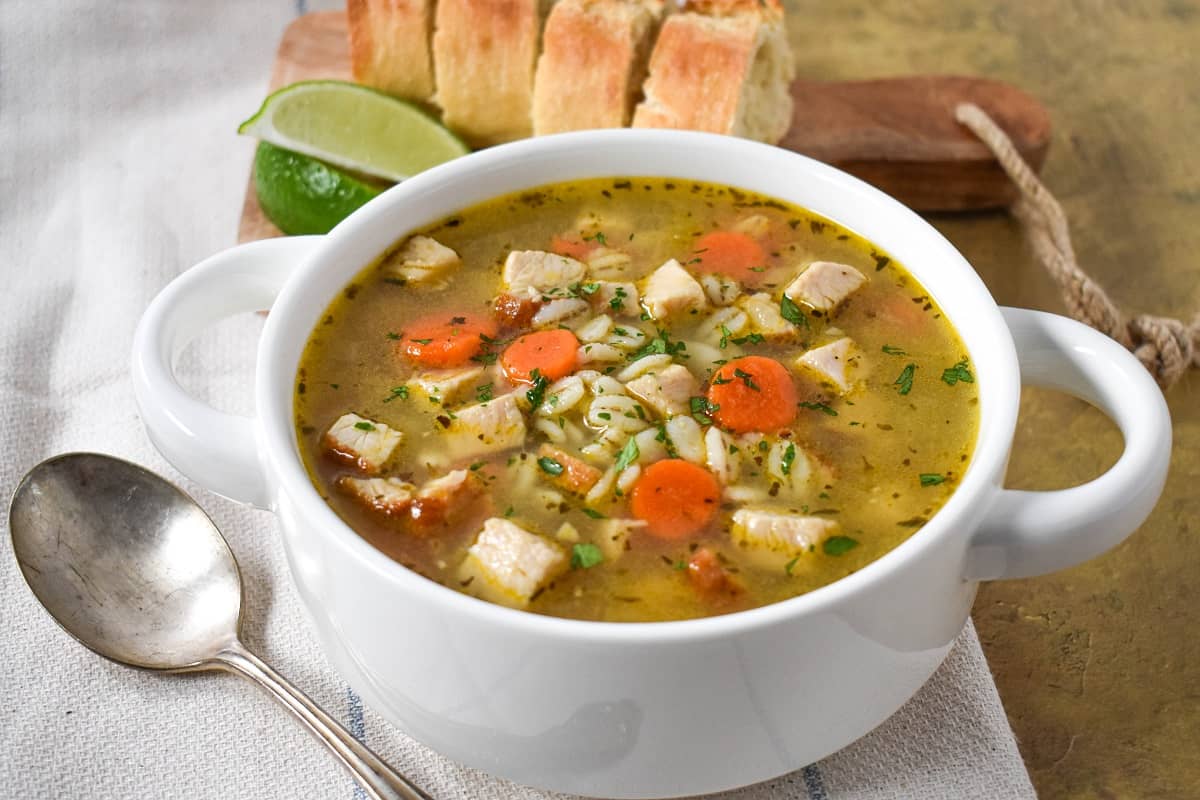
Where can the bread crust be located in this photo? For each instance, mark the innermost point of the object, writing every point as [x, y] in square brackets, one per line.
[593, 62]
[389, 46]
[725, 74]
[484, 52]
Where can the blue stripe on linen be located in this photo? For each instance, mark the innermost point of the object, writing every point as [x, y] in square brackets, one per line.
[301, 7]
[814, 783]
[358, 729]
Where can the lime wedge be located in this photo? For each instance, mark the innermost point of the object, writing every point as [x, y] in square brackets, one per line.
[302, 195]
[353, 127]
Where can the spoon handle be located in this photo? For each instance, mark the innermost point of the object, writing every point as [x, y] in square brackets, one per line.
[379, 780]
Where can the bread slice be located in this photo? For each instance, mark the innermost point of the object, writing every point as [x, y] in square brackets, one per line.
[389, 46]
[484, 52]
[592, 65]
[727, 71]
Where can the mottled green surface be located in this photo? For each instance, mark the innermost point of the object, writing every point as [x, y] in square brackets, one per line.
[1098, 666]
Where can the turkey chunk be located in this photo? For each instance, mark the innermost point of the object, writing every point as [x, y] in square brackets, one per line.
[484, 428]
[508, 565]
[421, 260]
[765, 318]
[667, 392]
[390, 496]
[833, 363]
[533, 271]
[447, 386]
[616, 297]
[671, 290]
[786, 534]
[365, 444]
[440, 499]
[824, 285]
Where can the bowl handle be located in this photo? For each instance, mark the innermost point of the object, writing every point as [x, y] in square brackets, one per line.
[213, 448]
[1032, 533]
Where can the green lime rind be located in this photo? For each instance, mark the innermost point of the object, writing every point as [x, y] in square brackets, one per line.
[353, 127]
[302, 195]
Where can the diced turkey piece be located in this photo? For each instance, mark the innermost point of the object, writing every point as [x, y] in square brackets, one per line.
[721, 290]
[765, 319]
[540, 271]
[507, 564]
[824, 285]
[390, 496]
[422, 260]
[558, 310]
[447, 385]
[614, 534]
[832, 362]
[788, 534]
[667, 392]
[671, 290]
[616, 297]
[366, 444]
[574, 476]
[490, 427]
[442, 498]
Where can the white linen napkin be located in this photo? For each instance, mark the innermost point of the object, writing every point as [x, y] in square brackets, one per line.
[121, 168]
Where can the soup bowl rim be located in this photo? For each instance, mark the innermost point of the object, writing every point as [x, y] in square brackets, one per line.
[998, 377]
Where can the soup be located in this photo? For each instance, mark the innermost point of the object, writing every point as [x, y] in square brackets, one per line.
[635, 399]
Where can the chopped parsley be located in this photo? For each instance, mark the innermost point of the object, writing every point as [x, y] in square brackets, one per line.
[585, 555]
[904, 383]
[725, 334]
[892, 350]
[753, 338]
[932, 479]
[483, 392]
[658, 345]
[397, 393]
[537, 393]
[824, 408]
[789, 457]
[958, 372]
[364, 426]
[593, 513]
[618, 300]
[395, 337]
[839, 545]
[421, 341]
[703, 409]
[477, 466]
[747, 379]
[788, 566]
[791, 312]
[550, 466]
[597, 237]
[628, 455]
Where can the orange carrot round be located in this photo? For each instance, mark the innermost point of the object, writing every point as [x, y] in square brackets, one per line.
[446, 339]
[571, 247]
[730, 253]
[553, 353]
[675, 498]
[754, 393]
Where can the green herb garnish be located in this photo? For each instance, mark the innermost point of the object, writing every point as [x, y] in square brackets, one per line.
[894, 351]
[932, 479]
[753, 338]
[747, 378]
[788, 566]
[958, 372]
[550, 466]
[839, 545]
[703, 409]
[824, 408]
[585, 555]
[618, 300]
[904, 383]
[629, 454]
[364, 426]
[660, 344]
[483, 392]
[421, 341]
[397, 393]
[395, 337]
[789, 457]
[791, 312]
[593, 513]
[537, 393]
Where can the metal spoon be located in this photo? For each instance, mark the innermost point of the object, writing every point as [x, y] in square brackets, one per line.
[131, 567]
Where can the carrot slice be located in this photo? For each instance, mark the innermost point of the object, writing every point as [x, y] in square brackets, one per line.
[730, 253]
[571, 247]
[553, 353]
[675, 498]
[446, 339]
[753, 393]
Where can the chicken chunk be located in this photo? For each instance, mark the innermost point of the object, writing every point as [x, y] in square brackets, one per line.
[389, 496]
[616, 297]
[447, 386]
[570, 473]
[490, 427]
[671, 290]
[556, 311]
[508, 565]
[765, 318]
[540, 271]
[421, 260]
[786, 534]
[667, 392]
[441, 499]
[833, 363]
[366, 444]
[721, 290]
[824, 285]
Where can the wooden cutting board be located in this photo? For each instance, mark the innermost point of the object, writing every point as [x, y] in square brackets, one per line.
[898, 133]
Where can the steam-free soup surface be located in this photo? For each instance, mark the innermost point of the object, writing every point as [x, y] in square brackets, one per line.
[635, 399]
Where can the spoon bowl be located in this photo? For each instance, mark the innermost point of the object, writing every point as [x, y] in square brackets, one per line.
[132, 568]
[125, 562]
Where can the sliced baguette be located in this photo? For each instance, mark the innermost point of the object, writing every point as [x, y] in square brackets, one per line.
[389, 46]
[727, 71]
[484, 52]
[592, 65]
